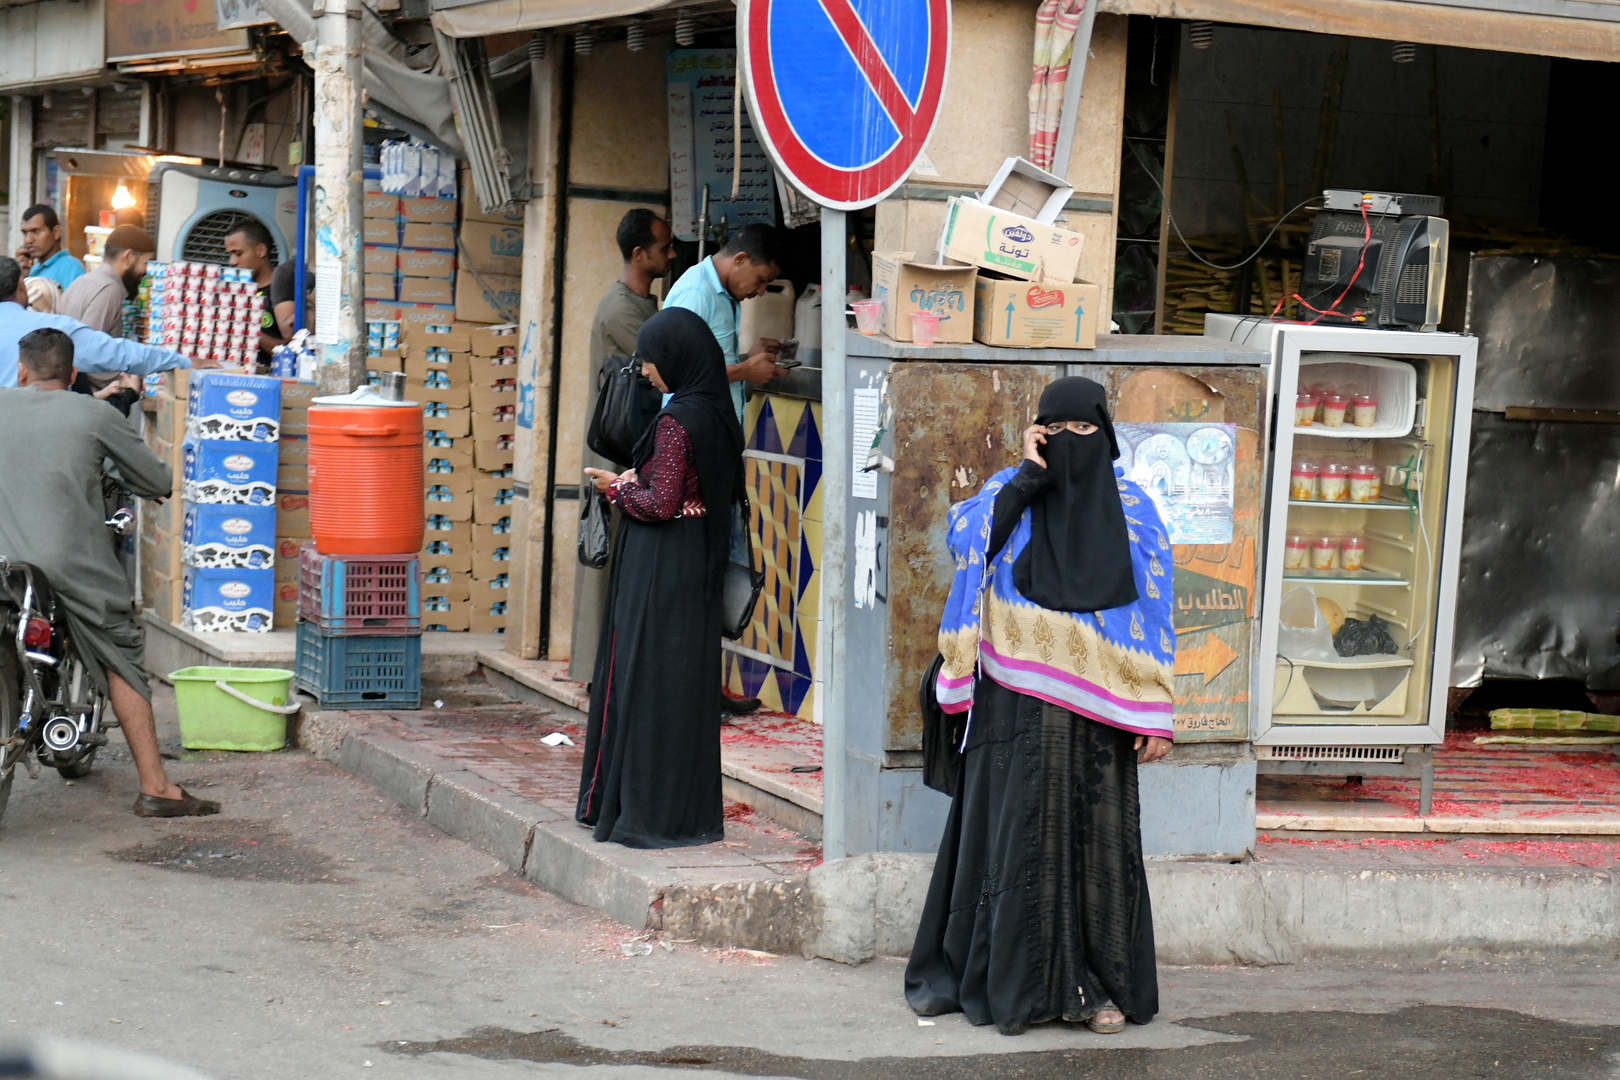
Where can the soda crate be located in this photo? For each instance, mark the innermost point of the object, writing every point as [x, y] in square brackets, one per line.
[359, 594]
[360, 671]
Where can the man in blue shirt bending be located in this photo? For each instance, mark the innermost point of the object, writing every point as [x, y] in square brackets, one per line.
[42, 253]
[93, 351]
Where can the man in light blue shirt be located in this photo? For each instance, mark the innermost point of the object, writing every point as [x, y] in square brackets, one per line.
[93, 351]
[42, 251]
[738, 271]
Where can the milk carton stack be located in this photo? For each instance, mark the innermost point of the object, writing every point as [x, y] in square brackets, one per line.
[492, 388]
[204, 311]
[228, 484]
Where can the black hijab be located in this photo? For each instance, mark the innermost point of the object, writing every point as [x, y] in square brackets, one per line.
[680, 344]
[1079, 554]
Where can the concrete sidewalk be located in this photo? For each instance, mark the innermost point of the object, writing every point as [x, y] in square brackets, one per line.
[766, 889]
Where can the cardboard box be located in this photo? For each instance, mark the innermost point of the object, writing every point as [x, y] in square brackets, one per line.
[445, 537]
[1022, 187]
[490, 535]
[164, 595]
[437, 443]
[380, 231]
[446, 501]
[422, 318]
[293, 450]
[1008, 243]
[453, 423]
[473, 210]
[168, 420]
[496, 300]
[492, 249]
[288, 550]
[490, 511]
[435, 367]
[421, 290]
[458, 588]
[227, 598]
[381, 259]
[1036, 315]
[380, 206]
[492, 424]
[428, 264]
[437, 569]
[492, 369]
[376, 310]
[161, 552]
[487, 622]
[418, 335]
[492, 455]
[498, 340]
[444, 461]
[441, 614]
[455, 396]
[295, 401]
[239, 537]
[494, 489]
[428, 211]
[488, 560]
[292, 477]
[434, 237]
[385, 360]
[906, 286]
[488, 397]
[229, 471]
[285, 611]
[166, 517]
[382, 287]
[292, 513]
[227, 405]
[461, 482]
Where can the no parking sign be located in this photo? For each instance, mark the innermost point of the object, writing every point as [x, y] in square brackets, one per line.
[845, 93]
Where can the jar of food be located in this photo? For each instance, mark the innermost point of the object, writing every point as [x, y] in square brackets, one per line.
[1333, 483]
[1333, 406]
[1302, 482]
[1323, 549]
[1305, 409]
[1294, 552]
[1351, 549]
[1365, 483]
[1364, 410]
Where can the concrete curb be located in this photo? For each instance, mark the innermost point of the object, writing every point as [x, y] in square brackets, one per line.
[854, 909]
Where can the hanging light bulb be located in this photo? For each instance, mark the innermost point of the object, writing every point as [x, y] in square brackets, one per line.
[1201, 34]
[122, 199]
[1403, 52]
[537, 46]
[635, 36]
[584, 41]
[685, 28]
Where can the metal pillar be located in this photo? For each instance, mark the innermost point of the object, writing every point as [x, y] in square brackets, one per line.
[339, 187]
[22, 168]
[835, 473]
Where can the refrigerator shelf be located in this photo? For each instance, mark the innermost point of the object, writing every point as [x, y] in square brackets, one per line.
[1345, 577]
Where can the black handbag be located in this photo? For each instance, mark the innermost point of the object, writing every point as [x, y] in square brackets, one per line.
[595, 532]
[739, 592]
[941, 734]
[625, 401]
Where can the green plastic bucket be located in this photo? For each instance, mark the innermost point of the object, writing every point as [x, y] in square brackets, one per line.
[233, 708]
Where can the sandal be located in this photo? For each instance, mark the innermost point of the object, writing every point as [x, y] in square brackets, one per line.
[1108, 1027]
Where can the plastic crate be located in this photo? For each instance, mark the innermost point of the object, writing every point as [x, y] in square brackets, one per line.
[360, 671]
[363, 594]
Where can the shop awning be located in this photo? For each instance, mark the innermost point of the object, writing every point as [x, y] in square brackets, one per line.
[477, 18]
[1579, 29]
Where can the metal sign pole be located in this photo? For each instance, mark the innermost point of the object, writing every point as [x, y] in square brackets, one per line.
[835, 473]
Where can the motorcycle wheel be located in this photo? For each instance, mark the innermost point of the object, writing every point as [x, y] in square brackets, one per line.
[10, 708]
[79, 767]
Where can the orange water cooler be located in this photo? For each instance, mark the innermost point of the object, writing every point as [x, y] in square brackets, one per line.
[366, 473]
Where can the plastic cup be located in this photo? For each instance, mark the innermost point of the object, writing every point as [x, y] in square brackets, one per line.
[1333, 483]
[1305, 409]
[1302, 482]
[1333, 406]
[1323, 549]
[1365, 483]
[1294, 552]
[1351, 550]
[924, 324]
[868, 317]
[1364, 410]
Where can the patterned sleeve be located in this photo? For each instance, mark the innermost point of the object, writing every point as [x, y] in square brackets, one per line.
[655, 494]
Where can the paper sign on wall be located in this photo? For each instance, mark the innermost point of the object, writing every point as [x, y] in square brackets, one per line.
[702, 104]
[865, 406]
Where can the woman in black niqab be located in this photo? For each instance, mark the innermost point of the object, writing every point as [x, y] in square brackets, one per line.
[651, 775]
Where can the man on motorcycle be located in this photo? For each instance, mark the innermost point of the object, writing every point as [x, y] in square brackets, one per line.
[52, 446]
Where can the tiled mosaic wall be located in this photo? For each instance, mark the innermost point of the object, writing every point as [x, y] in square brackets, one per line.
[775, 658]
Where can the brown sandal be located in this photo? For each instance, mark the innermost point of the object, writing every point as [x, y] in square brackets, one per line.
[187, 805]
[1110, 1028]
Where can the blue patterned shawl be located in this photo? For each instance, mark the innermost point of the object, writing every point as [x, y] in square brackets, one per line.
[1114, 666]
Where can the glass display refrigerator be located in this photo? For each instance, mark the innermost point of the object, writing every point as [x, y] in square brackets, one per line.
[1362, 539]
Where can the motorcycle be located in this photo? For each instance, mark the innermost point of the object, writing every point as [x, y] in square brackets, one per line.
[51, 710]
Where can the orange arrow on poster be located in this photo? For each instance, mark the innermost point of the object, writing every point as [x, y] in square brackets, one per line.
[1208, 659]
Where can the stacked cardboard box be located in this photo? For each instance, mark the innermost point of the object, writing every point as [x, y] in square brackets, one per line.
[494, 396]
[162, 570]
[410, 248]
[292, 495]
[489, 285]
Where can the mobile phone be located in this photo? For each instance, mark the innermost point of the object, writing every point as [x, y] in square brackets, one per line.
[788, 364]
[789, 349]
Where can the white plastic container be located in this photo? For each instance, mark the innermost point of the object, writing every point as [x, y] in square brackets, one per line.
[807, 318]
[1392, 382]
[766, 316]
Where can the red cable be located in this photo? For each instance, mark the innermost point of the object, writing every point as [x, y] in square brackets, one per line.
[1361, 261]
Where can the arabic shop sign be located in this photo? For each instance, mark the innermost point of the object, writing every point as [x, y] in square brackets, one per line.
[1203, 601]
[152, 29]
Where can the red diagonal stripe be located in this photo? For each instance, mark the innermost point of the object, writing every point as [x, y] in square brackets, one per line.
[870, 61]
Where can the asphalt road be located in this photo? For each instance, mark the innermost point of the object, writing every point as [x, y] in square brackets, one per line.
[316, 930]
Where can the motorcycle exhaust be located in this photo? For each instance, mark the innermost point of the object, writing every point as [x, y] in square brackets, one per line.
[61, 734]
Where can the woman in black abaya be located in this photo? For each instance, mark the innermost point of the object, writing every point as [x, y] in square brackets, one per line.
[652, 743]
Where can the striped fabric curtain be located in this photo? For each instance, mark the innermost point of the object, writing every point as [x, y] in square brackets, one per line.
[1055, 23]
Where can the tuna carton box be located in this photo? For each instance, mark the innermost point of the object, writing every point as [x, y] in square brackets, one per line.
[228, 598]
[905, 286]
[1008, 243]
[226, 405]
[228, 536]
[1036, 314]
[229, 471]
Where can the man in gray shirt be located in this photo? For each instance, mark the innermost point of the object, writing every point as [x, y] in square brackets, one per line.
[97, 298]
[52, 445]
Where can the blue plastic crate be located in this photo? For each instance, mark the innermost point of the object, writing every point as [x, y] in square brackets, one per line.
[360, 671]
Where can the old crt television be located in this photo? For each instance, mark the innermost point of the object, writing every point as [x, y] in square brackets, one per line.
[1402, 263]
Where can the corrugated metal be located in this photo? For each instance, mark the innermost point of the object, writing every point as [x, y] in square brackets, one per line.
[118, 114]
[65, 123]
